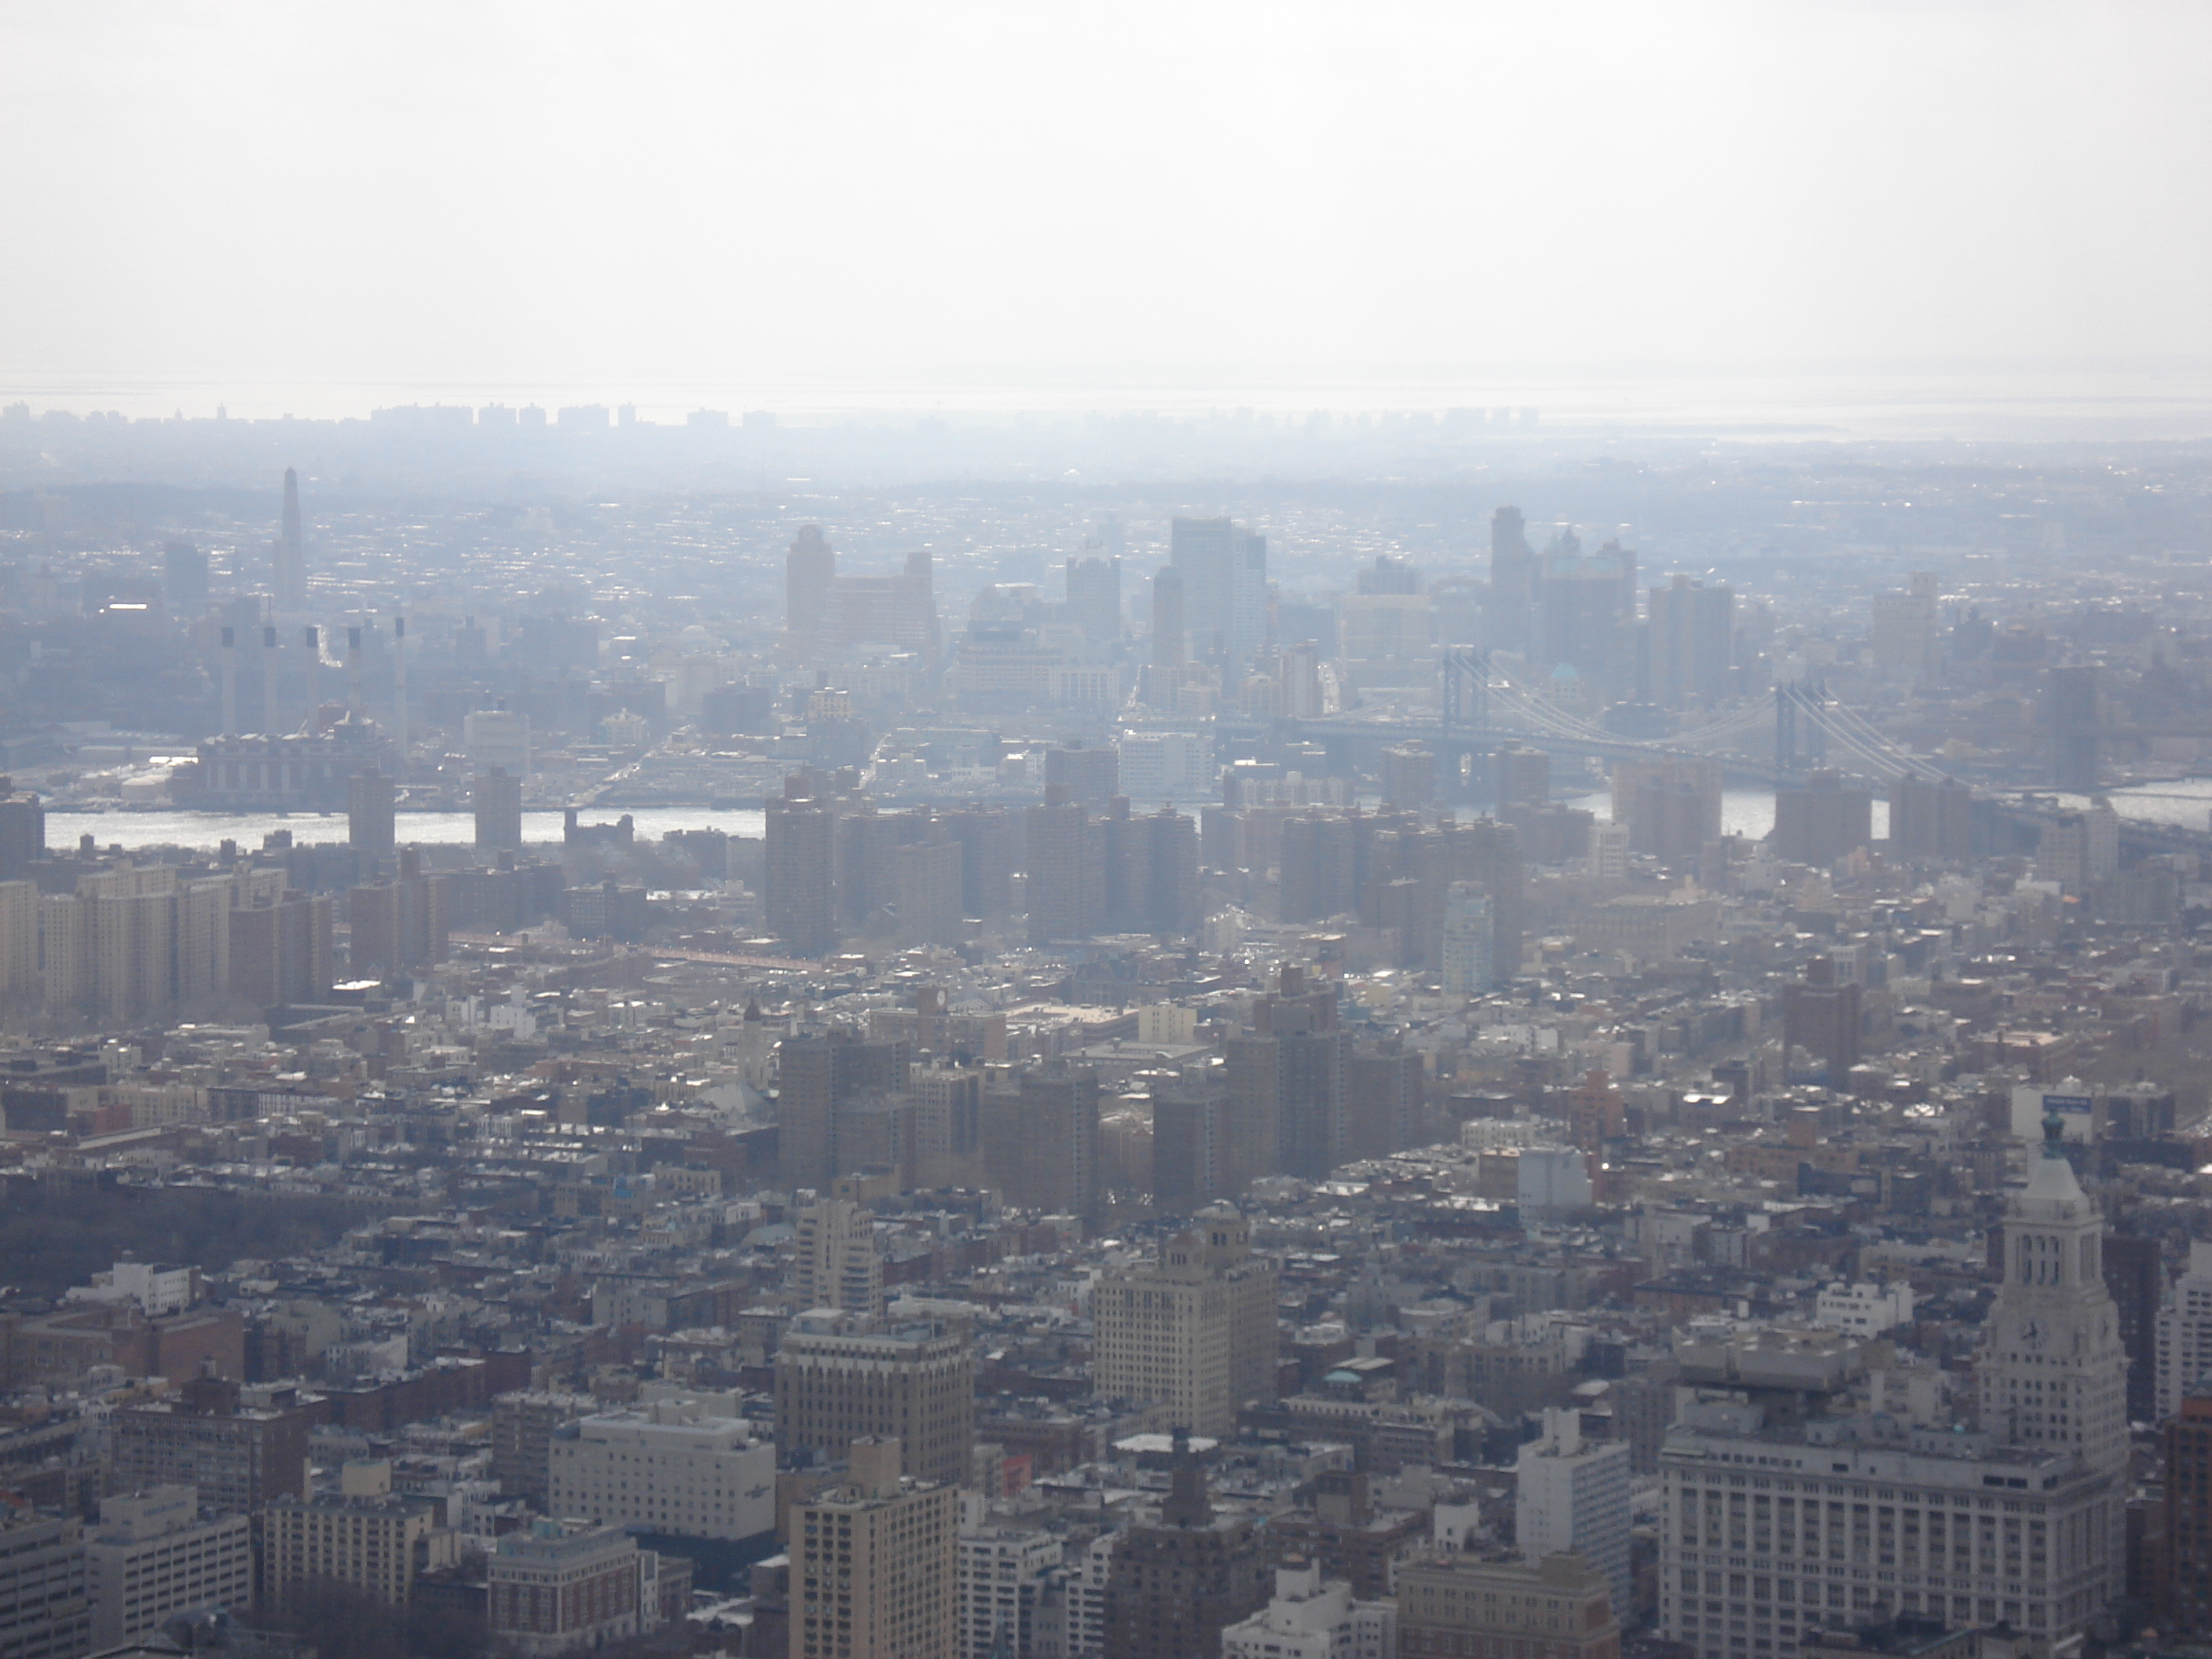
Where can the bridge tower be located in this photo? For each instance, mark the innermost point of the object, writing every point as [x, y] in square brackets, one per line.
[1801, 730]
[1467, 686]
[1465, 708]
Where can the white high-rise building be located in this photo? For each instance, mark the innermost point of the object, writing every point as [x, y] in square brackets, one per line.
[667, 1466]
[1004, 1573]
[2184, 1331]
[1572, 1494]
[1468, 940]
[1309, 1619]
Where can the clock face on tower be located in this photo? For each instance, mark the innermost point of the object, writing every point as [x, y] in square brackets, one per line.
[2031, 1333]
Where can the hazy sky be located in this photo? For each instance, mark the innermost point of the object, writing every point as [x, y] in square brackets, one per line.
[386, 194]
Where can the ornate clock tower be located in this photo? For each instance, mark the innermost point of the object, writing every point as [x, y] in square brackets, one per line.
[2052, 1373]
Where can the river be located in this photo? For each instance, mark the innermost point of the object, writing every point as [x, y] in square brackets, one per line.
[208, 830]
[1743, 813]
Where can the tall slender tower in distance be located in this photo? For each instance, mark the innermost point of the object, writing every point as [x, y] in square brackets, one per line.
[291, 555]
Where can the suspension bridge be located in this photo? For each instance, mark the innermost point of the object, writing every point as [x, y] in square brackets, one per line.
[1771, 740]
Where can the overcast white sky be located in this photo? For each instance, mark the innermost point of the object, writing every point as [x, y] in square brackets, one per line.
[475, 197]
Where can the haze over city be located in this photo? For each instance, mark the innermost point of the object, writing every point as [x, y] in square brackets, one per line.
[1105, 832]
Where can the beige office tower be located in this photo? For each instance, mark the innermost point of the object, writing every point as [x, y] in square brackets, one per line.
[842, 1378]
[1196, 1330]
[874, 1563]
[838, 1265]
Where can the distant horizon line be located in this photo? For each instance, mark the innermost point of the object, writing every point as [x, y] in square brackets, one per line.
[1650, 393]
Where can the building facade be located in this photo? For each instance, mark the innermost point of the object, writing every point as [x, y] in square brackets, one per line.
[1774, 1532]
[151, 1556]
[667, 1467]
[1459, 1605]
[1571, 1495]
[874, 1563]
[555, 1588]
[46, 1609]
[843, 1379]
[1193, 1331]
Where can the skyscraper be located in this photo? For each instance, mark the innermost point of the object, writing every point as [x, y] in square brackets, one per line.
[1202, 550]
[1041, 1140]
[291, 563]
[1176, 1584]
[1225, 586]
[1822, 820]
[371, 819]
[1521, 777]
[399, 924]
[1094, 596]
[184, 575]
[2135, 1273]
[2188, 1546]
[1821, 1014]
[1190, 1138]
[927, 879]
[1409, 775]
[1384, 1086]
[874, 1563]
[1586, 605]
[2022, 1521]
[816, 1073]
[1930, 819]
[1093, 776]
[1903, 640]
[798, 891]
[1570, 1493]
[1469, 927]
[1195, 1330]
[1692, 642]
[837, 1263]
[1513, 572]
[22, 830]
[809, 570]
[1170, 623]
[840, 1379]
[280, 948]
[2184, 1332]
[1067, 882]
[496, 795]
